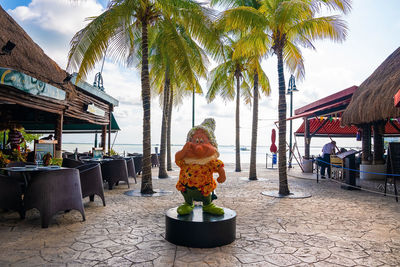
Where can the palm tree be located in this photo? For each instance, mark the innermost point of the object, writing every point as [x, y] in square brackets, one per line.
[259, 79]
[114, 29]
[248, 47]
[285, 26]
[170, 105]
[222, 81]
[180, 62]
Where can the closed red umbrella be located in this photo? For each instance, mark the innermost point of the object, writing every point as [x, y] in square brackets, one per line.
[273, 147]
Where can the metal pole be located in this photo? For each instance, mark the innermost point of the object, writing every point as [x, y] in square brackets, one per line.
[193, 107]
[290, 129]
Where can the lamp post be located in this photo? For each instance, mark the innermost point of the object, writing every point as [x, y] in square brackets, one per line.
[291, 88]
[194, 92]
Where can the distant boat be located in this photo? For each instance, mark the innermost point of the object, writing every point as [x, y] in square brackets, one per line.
[244, 149]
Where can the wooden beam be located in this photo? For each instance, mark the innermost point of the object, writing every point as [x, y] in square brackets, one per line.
[379, 131]
[366, 144]
[394, 125]
[103, 137]
[307, 138]
[109, 132]
[319, 128]
[58, 135]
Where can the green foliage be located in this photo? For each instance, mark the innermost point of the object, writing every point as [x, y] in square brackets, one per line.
[113, 152]
[3, 160]
[56, 161]
[29, 138]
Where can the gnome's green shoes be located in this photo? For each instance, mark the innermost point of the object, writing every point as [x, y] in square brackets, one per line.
[213, 209]
[185, 209]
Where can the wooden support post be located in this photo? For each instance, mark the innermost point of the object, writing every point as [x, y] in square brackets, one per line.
[366, 144]
[307, 138]
[103, 137]
[379, 131]
[58, 135]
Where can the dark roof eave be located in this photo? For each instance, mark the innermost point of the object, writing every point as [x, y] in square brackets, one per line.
[93, 90]
[339, 96]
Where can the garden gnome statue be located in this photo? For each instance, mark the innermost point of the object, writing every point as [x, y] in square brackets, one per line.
[198, 160]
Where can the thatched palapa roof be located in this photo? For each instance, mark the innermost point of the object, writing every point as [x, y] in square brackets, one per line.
[27, 57]
[373, 101]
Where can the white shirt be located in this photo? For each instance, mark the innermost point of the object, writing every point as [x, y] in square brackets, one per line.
[328, 149]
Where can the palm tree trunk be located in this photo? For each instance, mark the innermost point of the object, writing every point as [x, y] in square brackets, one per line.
[147, 185]
[283, 182]
[170, 105]
[254, 127]
[162, 172]
[237, 75]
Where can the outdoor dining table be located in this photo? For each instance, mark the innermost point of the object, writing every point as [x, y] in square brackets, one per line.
[28, 169]
[97, 160]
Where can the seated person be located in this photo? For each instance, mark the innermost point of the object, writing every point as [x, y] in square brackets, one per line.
[50, 137]
[15, 139]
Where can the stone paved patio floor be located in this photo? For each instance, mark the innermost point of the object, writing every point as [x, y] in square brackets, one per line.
[334, 227]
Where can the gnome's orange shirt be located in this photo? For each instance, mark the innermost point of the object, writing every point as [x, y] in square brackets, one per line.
[199, 176]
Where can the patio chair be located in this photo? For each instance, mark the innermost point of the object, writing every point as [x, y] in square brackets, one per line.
[17, 175]
[11, 195]
[154, 160]
[53, 191]
[131, 168]
[85, 157]
[114, 171]
[69, 155]
[71, 163]
[138, 161]
[91, 181]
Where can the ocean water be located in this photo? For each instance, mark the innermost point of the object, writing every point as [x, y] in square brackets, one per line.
[227, 153]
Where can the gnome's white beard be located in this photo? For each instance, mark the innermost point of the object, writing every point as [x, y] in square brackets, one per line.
[202, 161]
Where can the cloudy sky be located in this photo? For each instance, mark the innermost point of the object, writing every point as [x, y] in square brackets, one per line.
[374, 28]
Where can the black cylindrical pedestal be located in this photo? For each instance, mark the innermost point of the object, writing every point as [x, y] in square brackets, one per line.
[200, 230]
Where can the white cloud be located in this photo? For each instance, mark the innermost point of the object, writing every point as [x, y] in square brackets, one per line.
[62, 16]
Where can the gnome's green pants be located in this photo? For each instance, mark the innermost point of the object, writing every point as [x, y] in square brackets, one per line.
[193, 194]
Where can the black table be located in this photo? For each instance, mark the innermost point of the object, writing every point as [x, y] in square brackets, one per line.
[98, 160]
[28, 169]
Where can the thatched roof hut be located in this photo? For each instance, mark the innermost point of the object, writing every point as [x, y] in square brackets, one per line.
[27, 57]
[373, 101]
[34, 89]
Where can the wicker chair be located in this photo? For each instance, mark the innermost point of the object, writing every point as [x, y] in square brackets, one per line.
[138, 160]
[91, 181]
[11, 195]
[71, 163]
[85, 157]
[154, 160]
[17, 175]
[114, 171]
[53, 191]
[131, 168]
